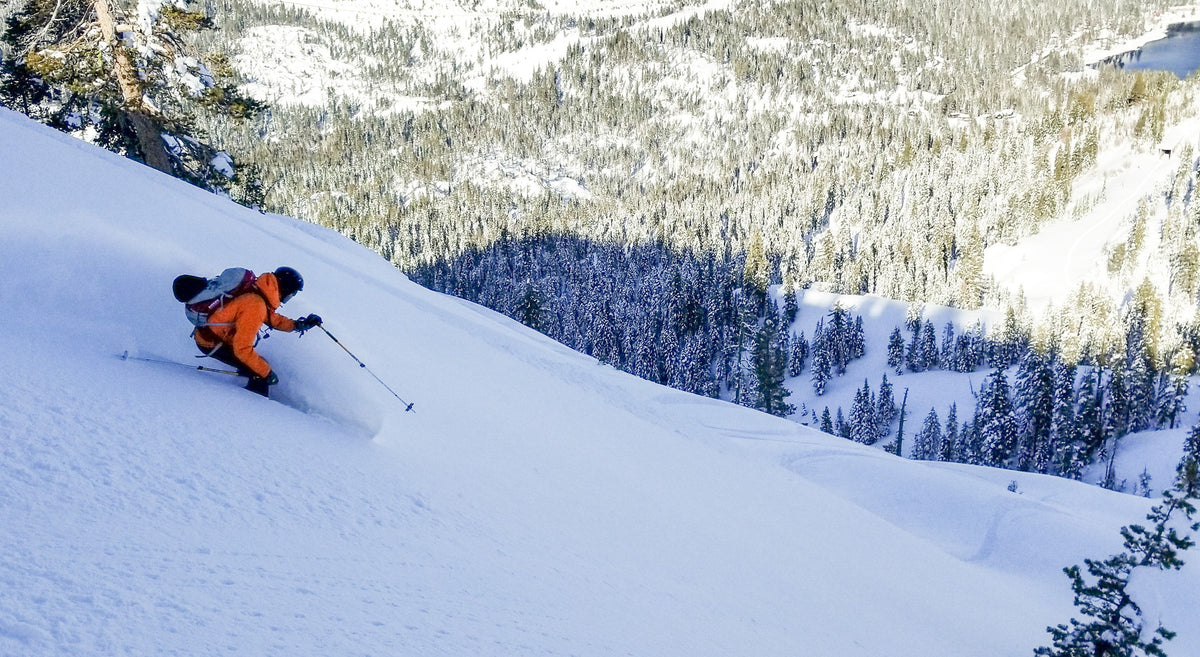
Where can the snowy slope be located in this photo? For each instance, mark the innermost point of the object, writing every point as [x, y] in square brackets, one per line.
[535, 503]
[1051, 265]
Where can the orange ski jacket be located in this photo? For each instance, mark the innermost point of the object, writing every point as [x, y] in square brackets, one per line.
[236, 324]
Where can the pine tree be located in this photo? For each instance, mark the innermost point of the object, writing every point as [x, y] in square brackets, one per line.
[1116, 422]
[1139, 370]
[1010, 342]
[529, 309]
[927, 446]
[1191, 444]
[973, 349]
[790, 306]
[757, 272]
[1089, 421]
[929, 348]
[841, 426]
[770, 369]
[1035, 407]
[1139, 386]
[896, 351]
[969, 449]
[995, 421]
[857, 339]
[798, 356]
[839, 338]
[885, 410]
[914, 358]
[134, 81]
[1113, 625]
[949, 359]
[1063, 443]
[827, 422]
[863, 427]
[821, 358]
[950, 440]
[1165, 401]
[912, 317]
[1173, 387]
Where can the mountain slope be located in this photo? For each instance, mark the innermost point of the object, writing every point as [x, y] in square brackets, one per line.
[535, 502]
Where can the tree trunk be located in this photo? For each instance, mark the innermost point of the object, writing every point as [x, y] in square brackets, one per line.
[900, 429]
[145, 128]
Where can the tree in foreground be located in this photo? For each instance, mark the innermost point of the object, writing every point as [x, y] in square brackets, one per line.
[125, 77]
[1113, 625]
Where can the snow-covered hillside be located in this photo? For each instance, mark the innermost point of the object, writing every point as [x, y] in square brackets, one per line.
[535, 503]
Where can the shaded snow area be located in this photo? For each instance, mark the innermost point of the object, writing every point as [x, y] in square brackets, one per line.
[535, 503]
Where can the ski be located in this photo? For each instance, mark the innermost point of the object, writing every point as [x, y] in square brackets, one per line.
[125, 356]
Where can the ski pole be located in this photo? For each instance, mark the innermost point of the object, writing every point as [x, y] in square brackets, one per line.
[126, 356]
[408, 407]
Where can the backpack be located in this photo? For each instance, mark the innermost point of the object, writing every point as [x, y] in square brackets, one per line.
[204, 296]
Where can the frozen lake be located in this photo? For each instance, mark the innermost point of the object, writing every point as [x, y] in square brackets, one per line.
[1178, 53]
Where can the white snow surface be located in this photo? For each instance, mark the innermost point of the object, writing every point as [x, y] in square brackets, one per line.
[535, 502]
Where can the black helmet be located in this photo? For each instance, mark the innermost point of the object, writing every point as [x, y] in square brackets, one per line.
[290, 283]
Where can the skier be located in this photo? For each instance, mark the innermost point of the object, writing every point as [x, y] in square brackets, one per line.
[231, 332]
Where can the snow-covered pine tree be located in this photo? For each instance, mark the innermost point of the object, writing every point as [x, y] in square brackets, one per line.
[529, 308]
[927, 445]
[1140, 352]
[1140, 397]
[885, 408]
[1191, 444]
[827, 422]
[950, 441]
[790, 306]
[757, 272]
[974, 347]
[798, 355]
[770, 369]
[912, 317]
[1089, 420]
[127, 74]
[1169, 395]
[969, 449]
[857, 339]
[839, 338]
[948, 353]
[929, 347]
[1009, 342]
[863, 427]
[995, 421]
[896, 351]
[914, 357]
[1033, 398]
[1116, 421]
[1113, 624]
[822, 358]
[1063, 435]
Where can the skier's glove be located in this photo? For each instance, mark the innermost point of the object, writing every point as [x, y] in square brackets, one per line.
[305, 323]
[270, 378]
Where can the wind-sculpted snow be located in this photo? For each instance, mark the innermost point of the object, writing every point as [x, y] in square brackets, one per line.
[535, 503]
